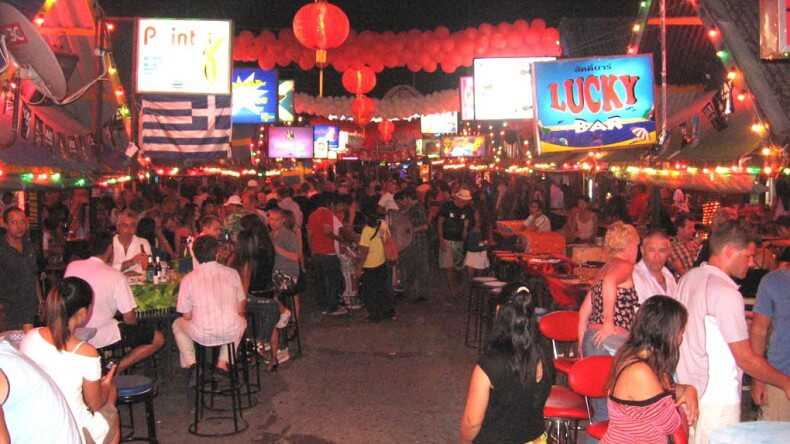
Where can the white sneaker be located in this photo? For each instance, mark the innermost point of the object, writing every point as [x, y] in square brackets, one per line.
[285, 317]
[283, 356]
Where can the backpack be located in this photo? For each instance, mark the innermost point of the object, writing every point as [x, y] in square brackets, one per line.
[401, 229]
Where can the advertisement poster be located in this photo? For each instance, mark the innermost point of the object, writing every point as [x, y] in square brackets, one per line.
[467, 90]
[595, 103]
[183, 56]
[285, 101]
[467, 146]
[326, 141]
[440, 123]
[290, 142]
[254, 96]
[503, 87]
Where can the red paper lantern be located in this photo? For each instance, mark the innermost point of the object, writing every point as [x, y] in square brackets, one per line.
[321, 26]
[360, 80]
[362, 108]
[386, 128]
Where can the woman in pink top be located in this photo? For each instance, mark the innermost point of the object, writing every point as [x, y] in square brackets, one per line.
[643, 401]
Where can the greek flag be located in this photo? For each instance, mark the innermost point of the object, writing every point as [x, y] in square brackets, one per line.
[186, 127]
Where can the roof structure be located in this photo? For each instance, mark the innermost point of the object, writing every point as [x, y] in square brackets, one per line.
[769, 81]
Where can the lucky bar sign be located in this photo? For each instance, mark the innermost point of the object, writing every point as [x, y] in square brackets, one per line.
[594, 103]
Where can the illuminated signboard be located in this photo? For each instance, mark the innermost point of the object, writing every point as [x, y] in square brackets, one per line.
[326, 141]
[467, 90]
[503, 87]
[285, 101]
[469, 146]
[589, 103]
[254, 96]
[441, 123]
[774, 29]
[183, 56]
[290, 142]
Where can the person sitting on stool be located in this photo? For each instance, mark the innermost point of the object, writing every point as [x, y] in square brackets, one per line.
[212, 304]
[112, 295]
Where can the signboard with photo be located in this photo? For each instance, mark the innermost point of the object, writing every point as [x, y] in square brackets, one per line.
[254, 96]
[595, 103]
[463, 146]
[503, 87]
[183, 56]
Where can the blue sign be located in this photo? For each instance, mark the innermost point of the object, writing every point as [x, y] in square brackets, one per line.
[254, 96]
[595, 103]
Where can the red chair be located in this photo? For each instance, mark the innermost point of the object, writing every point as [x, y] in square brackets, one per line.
[561, 326]
[563, 410]
[589, 378]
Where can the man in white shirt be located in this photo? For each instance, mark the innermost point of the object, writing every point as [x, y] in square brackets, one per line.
[129, 251]
[111, 295]
[650, 275]
[537, 221]
[286, 202]
[716, 350]
[212, 304]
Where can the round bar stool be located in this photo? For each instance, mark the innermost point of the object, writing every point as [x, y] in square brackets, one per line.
[133, 389]
[473, 308]
[208, 385]
[485, 299]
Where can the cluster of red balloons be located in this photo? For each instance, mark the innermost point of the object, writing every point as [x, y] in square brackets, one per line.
[414, 49]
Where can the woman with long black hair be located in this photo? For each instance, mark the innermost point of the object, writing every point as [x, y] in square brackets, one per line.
[512, 380]
[373, 286]
[643, 399]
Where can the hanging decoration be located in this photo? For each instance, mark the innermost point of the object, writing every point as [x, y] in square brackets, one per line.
[386, 129]
[416, 50]
[320, 26]
[392, 108]
[362, 109]
[360, 80]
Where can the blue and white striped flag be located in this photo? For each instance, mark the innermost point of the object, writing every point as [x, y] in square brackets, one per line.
[186, 127]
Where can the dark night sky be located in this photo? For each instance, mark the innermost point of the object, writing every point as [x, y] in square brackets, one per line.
[375, 15]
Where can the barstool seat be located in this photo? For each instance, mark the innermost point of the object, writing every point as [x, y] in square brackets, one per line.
[483, 279]
[133, 389]
[494, 284]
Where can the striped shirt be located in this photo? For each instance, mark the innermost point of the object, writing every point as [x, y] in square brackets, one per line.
[651, 421]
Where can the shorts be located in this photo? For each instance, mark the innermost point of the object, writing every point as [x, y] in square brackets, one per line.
[136, 335]
[451, 255]
[266, 314]
[477, 260]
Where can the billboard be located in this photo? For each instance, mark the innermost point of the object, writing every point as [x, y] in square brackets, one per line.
[285, 101]
[503, 87]
[774, 29]
[291, 142]
[440, 123]
[467, 89]
[254, 96]
[595, 103]
[464, 146]
[326, 141]
[183, 56]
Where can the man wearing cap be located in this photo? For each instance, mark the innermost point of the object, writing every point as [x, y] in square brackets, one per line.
[234, 211]
[454, 219]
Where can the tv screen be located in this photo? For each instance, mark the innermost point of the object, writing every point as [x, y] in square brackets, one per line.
[285, 101]
[291, 142]
[503, 87]
[326, 140]
[254, 96]
[464, 146]
[441, 123]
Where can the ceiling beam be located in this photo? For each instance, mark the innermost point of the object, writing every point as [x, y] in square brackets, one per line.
[676, 21]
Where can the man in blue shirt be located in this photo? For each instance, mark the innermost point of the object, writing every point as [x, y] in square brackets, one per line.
[772, 321]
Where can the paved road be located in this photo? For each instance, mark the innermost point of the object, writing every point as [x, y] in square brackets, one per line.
[398, 381]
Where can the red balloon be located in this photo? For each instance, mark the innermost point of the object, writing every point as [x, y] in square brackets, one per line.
[320, 25]
[266, 63]
[442, 32]
[503, 27]
[486, 29]
[482, 45]
[448, 45]
[449, 68]
[359, 81]
[433, 47]
[538, 24]
[514, 39]
[413, 67]
[521, 25]
[430, 66]
[306, 64]
[498, 41]
[386, 129]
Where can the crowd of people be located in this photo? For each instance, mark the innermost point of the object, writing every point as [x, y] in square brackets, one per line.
[249, 251]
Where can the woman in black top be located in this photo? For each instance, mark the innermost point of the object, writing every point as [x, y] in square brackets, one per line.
[254, 259]
[512, 380]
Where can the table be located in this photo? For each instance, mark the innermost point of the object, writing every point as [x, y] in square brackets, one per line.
[551, 242]
[755, 432]
[581, 253]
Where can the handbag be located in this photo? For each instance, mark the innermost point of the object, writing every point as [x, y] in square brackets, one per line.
[391, 251]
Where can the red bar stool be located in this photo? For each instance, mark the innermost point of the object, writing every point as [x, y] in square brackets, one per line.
[563, 410]
[589, 378]
[561, 326]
